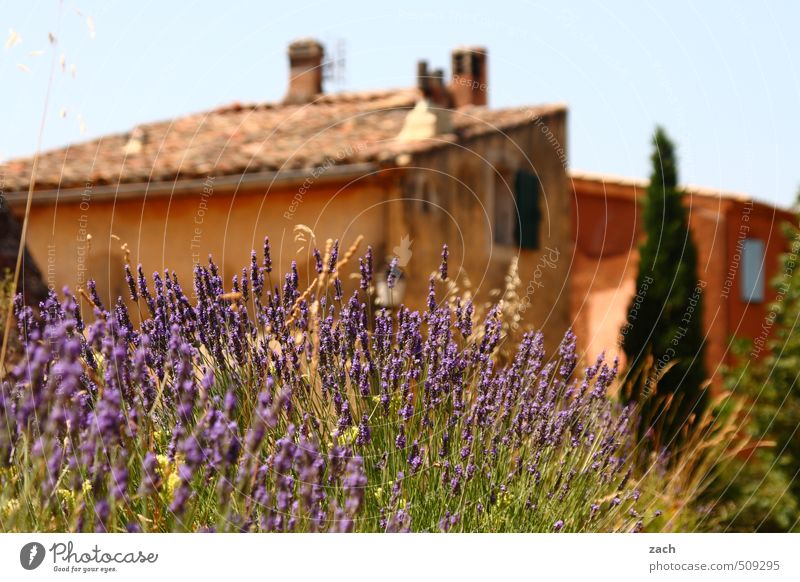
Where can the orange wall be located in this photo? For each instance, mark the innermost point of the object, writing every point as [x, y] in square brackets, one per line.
[607, 228]
[745, 320]
[175, 233]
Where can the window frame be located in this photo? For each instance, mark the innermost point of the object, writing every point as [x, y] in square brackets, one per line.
[752, 287]
[504, 235]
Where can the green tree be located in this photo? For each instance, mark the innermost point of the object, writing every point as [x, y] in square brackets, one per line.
[663, 338]
[767, 373]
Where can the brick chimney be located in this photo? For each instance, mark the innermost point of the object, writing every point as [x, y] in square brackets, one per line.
[470, 82]
[305, 70]
[431, 85]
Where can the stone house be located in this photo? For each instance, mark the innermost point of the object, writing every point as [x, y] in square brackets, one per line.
[409, 169]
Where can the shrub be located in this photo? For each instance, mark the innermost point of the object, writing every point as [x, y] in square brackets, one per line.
[764, 489]
[264, 408]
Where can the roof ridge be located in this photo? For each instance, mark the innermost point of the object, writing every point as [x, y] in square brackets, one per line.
[323, 99]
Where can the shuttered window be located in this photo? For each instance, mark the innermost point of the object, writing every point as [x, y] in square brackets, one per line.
[530, 216]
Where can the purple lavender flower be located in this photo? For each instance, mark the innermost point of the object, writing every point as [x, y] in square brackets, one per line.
[317, 261]
[415, 457]
[334, 257]
[119, 479]
[267, 256]
[256, 276]
[448, 521]
[364, 434]
[102, 510]
[151, 476]
[593, 509]
[247, 417]
[368, 268]
[443, 266]
[400, 439]
[364, 281]
[431, 295]
[391, 276]
[355, 482]
[131, 283]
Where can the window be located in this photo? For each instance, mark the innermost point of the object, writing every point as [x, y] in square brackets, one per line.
[516, 214]
[530, 216]
[752, 279]
[505, 213]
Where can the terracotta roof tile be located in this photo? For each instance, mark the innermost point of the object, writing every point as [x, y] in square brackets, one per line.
[340, 128]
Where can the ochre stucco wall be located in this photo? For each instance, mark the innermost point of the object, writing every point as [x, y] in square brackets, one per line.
[607, 230]
[163, 232]
[462, 183]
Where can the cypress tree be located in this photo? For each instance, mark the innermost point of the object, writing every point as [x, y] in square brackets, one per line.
[663, 337]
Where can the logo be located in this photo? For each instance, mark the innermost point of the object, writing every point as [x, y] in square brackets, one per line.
[403, 251]
[31, 555]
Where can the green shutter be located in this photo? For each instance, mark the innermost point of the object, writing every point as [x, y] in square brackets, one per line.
[530, 216]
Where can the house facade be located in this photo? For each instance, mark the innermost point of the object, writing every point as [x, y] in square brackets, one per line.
[409, 169]
[739, 242]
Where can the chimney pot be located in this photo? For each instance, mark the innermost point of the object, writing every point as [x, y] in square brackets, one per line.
[305, 70]
[469, 84]
[431, 85]
[423, 81]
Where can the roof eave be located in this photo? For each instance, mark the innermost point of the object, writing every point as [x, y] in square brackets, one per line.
[181, 186]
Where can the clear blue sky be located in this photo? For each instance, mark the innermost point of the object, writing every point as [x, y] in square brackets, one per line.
[722, 77]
